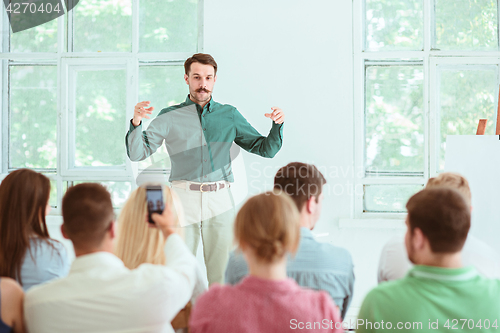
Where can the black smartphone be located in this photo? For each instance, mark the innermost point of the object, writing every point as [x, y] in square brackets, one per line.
[154, 198]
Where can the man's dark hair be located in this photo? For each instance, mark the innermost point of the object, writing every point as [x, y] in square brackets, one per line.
[87, 214]
[300, 181]
[443, 215]
[202, 58]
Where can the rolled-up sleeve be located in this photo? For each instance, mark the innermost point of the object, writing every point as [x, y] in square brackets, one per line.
[142, 144]
[252, 141]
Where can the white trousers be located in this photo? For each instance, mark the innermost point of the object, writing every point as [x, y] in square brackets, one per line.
[211, 216]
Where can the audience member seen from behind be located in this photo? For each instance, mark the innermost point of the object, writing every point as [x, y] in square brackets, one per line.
[319, 266]
[438, 291]
[138, 243]
[27, 253]
[11, 306]
[394, 263]
[267, 227]
[100, 294]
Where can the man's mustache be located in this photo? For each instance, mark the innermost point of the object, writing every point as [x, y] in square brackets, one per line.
[204, 90]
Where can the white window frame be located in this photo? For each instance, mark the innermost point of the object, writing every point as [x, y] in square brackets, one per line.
[70, 67]
[66, 61]
[431, 59]
[453, 63]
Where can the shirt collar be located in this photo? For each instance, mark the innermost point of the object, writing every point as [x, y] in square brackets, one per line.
[443, 274]
[266, 286]
[306, 233]
[209, 106]
[95, 260]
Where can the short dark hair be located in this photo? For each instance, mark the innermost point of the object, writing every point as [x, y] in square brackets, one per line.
[443, 215]
[202, 58]
[300, 181]
[87, 214]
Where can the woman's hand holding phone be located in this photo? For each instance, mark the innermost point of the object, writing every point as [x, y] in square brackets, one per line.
[165, 221]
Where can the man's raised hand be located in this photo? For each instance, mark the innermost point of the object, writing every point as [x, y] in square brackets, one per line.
[277, 115]
[141, 110]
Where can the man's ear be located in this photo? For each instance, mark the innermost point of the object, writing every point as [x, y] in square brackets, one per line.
[63, 231]
[311, 205]
[112, 230]
[419, 239]
[215, 78]
[186, 78]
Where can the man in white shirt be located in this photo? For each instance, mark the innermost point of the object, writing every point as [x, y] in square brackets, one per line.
[394, 263]
[100, 294]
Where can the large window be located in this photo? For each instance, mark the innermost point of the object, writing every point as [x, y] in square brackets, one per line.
[424, 69]
[69, 87]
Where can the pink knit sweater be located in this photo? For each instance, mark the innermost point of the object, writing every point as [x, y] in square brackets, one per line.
[259, 305]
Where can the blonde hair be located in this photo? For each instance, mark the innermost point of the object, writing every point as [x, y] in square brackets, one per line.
[269, 223]
[137, 242]
[453, 180]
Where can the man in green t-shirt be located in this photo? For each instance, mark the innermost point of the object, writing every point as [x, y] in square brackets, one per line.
[438, 294]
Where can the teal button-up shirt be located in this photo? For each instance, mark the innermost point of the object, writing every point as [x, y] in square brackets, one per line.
[199, 140]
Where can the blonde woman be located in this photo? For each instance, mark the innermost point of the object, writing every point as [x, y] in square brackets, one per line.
[267, 228]
[138, 242]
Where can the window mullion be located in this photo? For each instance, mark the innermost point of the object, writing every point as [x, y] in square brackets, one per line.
[132, 99]
[431, 12]
[61, 31]
[201, 16]
[60, 110]
[4, 121]
[359, 129]
[498, 25]
[5, 115]
[59, 194]
[426, 118]
[358, 106]
[70, 35]
[135, 26]
[428, 25]
[63, 116]
[433, 117]
[4, 91]
[5, 28]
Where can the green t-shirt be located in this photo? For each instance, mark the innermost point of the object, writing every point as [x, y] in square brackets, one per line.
[433, 299]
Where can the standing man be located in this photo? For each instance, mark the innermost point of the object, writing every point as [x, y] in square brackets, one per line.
[198, 135]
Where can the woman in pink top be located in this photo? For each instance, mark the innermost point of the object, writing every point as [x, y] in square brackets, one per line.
[266, 229]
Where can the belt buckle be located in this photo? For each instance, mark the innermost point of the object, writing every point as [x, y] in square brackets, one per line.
[201, 187]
